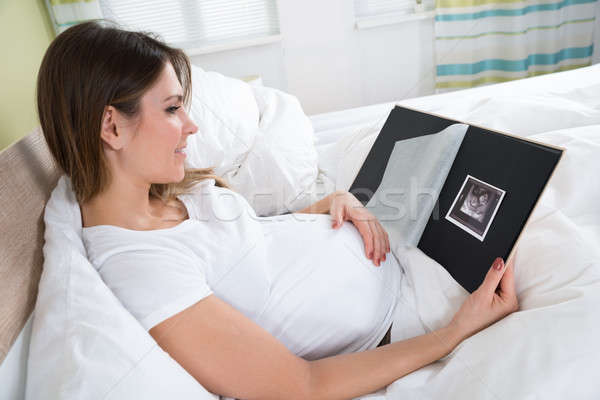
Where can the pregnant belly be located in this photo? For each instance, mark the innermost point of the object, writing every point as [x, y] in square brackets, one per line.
[326, 297]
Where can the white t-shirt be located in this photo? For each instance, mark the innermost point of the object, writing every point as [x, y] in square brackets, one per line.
[309, 285]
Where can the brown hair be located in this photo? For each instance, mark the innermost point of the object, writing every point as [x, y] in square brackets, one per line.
[87, 67]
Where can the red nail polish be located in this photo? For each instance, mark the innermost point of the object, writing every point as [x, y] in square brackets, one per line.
[498, 264]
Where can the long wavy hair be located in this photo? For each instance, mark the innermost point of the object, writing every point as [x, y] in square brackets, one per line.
[92, 65]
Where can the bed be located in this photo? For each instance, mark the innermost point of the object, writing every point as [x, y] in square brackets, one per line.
[546, 350]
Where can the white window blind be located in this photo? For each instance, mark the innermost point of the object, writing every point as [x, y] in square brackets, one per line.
[197, 24]
[373, 8]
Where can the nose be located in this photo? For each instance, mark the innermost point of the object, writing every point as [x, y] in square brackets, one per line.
[189, 127]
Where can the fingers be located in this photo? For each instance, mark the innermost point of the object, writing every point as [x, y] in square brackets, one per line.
[374, 236]
[338, 217]
[386, 237]
[377, 245]
[383, 239]
[365, 231]
[507, 283]
[493, 276]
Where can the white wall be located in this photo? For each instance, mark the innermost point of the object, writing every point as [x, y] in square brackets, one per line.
[329, 65]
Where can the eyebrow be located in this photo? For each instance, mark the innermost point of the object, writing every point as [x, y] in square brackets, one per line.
[179, 97]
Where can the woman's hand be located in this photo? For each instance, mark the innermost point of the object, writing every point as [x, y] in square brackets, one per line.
[493, 300]
[345, 207]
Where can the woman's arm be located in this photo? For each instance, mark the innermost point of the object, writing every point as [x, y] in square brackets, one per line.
[322, 206]
[232, 356]
[350, 375]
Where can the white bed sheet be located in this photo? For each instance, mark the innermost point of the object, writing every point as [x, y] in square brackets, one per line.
[560, 100]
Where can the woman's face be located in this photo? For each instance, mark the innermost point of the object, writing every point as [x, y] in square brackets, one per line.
[155, 140]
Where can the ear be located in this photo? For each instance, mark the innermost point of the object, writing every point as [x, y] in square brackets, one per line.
[108, 132]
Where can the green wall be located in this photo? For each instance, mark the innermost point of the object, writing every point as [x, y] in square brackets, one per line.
[25, 33]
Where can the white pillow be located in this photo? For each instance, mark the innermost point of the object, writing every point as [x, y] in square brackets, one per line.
[84, 343]
[257, 138]
[279, 173]
[227, 116]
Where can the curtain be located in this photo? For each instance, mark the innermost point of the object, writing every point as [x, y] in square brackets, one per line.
[482, 42]
[65, 13]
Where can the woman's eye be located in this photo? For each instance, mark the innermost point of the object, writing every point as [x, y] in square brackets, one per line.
[173, 109]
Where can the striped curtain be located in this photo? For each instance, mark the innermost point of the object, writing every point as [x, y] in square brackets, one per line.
[65, 13]
[481, 42]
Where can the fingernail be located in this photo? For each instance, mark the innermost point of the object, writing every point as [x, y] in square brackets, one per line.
[384, 257]
[498, 264]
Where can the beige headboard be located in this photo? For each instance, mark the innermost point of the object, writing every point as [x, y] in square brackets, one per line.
[27, 176]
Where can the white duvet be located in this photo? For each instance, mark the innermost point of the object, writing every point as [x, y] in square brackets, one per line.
[549, 349]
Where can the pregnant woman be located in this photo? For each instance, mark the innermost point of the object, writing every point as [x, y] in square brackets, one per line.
[252, 307]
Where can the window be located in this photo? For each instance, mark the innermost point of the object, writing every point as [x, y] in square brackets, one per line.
[370, 13]
[372, 8]
[199, 26]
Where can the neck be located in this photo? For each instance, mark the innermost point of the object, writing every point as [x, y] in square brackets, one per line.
[125, 202]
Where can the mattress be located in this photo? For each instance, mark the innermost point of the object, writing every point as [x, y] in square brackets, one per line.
[560, 100]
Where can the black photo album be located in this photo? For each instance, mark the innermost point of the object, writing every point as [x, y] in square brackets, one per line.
[491, 189]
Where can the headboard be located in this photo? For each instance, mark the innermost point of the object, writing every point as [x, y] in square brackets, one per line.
[27, 176]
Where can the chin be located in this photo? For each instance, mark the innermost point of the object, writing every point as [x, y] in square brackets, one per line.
[176, 178]
[173, 178]
[181, 175]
